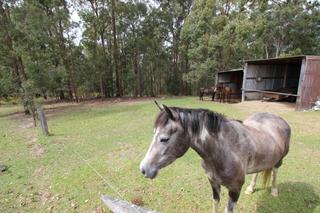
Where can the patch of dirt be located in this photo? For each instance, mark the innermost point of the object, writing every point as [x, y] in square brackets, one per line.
[37, 150]
[27, 130]
[31, 140]
[137, 201]
[123, 150]
[40, 171]
[110, 101]
[99, 210]
[44, 196]
[53, 108]
[259, 106]
[26, 125]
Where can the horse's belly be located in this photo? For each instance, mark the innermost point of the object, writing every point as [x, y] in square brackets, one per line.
[263, 160]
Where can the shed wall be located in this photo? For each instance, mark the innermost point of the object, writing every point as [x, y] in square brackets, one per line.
[310, 84]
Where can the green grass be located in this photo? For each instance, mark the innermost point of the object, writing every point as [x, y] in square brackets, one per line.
[113, 139]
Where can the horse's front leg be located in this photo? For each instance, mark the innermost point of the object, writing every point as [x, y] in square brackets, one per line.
[234, 193]
[233, 198]
[213, 94]
[216, 195]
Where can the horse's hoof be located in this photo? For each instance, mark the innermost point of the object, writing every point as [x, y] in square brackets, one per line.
[249, 191]
[274, 192]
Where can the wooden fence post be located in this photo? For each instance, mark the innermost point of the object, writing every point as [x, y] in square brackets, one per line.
[43, 121]
[121, 206]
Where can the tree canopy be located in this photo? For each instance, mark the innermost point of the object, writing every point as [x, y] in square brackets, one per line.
[142, 48]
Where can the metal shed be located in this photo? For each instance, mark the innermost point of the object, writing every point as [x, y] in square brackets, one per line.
[233, 79]
[297, 77]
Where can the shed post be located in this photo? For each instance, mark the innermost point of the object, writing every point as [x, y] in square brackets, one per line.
[300, 84]
[216, 78]
[285, 76]
[244, 82]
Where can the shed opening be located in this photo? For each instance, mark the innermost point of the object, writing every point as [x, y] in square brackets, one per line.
[273, 79]
[233, 79]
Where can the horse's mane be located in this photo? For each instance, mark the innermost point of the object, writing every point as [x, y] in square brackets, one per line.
[194, 119]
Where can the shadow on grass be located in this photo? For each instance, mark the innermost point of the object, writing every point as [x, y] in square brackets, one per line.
[293, 197]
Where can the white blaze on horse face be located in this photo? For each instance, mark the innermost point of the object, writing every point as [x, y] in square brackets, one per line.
[146, 160]
[161, 152]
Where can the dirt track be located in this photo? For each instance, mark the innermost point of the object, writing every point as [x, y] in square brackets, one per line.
[259, 106]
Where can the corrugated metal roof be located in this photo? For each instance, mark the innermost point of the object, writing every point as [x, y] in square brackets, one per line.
[291, 59]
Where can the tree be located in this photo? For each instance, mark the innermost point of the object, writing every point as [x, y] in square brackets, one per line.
[134, 48]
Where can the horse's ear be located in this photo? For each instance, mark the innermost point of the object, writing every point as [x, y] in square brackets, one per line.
[169, 112]
[160, 107]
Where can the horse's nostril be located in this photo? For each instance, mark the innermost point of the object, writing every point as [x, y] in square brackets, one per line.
[143, 171]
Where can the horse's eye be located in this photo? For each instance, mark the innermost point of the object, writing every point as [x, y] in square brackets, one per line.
[164, 140]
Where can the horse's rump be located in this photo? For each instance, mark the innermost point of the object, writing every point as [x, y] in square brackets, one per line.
[269, 137]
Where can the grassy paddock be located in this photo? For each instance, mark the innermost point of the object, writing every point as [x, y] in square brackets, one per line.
[46, 175]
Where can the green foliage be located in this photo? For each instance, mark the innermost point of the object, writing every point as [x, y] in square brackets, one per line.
[6, 86]
[162, 47]
[222, 34]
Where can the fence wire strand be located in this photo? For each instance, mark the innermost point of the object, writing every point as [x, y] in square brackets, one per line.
[113, 188]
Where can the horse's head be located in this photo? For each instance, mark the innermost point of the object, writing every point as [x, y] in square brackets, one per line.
[218, 87]
[169, 143]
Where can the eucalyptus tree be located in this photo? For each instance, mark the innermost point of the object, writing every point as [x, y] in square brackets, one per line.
[141, 48]
[222, 34]
[96, 40]
[13, 73]
[132, 16]
[288, 27]
[173, 15]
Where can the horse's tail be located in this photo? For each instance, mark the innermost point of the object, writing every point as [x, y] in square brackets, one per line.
[266, 175]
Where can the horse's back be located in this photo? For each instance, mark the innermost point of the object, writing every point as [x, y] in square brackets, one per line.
[269, 122]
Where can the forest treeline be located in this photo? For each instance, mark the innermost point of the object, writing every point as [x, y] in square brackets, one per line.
[142, 48]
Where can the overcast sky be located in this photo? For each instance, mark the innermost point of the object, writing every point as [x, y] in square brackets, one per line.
[76, 18]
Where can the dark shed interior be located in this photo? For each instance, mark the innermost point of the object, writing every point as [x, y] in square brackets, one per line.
[233, 79]
[273, 77]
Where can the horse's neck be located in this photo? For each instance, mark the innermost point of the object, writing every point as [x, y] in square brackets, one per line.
[204, 141]
[207, 143]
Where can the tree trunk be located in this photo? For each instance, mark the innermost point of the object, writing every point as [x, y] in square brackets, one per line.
[137, 74]
[266, 50]
[70, 89]
[115, 51]
[103, 88]
[278, 49]
[61, 95]
[67, 60]
[152, 80]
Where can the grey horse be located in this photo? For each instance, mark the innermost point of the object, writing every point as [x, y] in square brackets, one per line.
[229, 149]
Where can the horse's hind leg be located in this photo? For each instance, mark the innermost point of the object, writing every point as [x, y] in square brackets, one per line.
[250, 188]
[274, 189]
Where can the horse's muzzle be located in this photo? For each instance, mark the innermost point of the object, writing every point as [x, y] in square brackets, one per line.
[148, 172]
